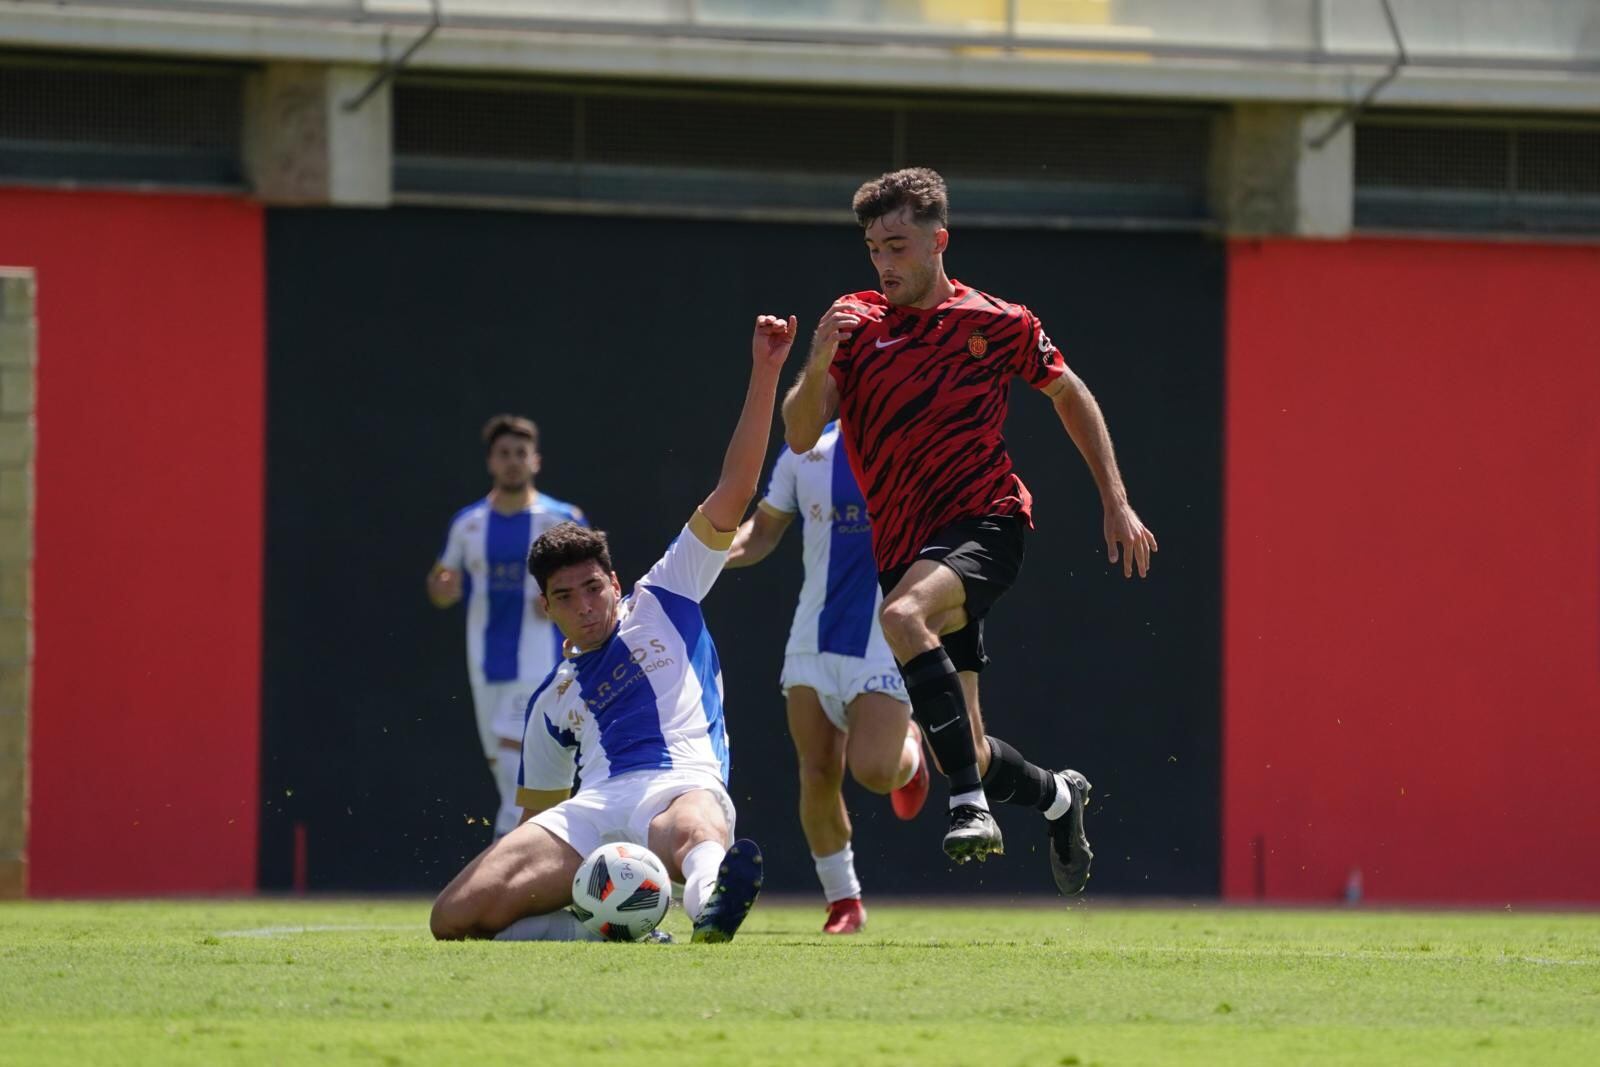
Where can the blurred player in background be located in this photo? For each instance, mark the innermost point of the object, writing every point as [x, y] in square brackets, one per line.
[846, 700]
[638, 701]
[511, 645]
[919, 375]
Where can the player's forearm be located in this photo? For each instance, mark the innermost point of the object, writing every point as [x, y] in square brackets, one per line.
[1086, 425]
[741, 464]
[805, 408]
[744, 551]
[751, 545]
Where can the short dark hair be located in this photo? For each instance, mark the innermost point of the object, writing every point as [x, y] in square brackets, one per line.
[563, 545]
[918, 188]
[515, 425]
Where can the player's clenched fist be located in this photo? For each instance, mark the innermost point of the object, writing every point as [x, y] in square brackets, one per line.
[773, 339]
[837, 325]
[444, 586]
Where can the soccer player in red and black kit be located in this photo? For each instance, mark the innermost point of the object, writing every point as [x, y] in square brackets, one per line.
[919, 376]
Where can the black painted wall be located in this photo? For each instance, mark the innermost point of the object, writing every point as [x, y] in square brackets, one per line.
[392, 335]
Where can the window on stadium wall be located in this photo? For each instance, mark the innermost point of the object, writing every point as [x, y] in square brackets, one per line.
[121, 122]
[393, 335]
[677, 149]
[1484, 174]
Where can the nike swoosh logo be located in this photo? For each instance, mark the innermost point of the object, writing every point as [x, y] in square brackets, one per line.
[941, 726]
[881, 343]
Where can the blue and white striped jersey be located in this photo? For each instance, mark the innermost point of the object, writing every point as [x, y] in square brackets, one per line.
[508, 637]
[838, 609]
[650, 698]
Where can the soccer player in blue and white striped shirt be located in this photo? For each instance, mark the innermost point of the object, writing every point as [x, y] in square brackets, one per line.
[511, 645]
[846, 701]
[637, 700]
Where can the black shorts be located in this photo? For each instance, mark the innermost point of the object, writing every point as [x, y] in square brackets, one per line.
[986, 554]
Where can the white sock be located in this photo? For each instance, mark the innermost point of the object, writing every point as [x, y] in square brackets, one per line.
[837, 873]
[1063, 802]
[974, 797]
[556, 926]
[914, 747]
[509, 813]
[700, 876]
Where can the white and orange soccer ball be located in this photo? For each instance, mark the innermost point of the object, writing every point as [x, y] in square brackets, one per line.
[621, 892]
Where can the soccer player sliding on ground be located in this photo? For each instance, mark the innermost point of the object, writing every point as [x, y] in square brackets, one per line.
[846, 701]
[919, 376]
[639, 696]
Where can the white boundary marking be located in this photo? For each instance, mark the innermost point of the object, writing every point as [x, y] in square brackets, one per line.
[284, 931]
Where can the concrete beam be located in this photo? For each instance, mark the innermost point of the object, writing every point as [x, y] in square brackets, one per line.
[305, 145]
[1120, 70]
[1268, 180]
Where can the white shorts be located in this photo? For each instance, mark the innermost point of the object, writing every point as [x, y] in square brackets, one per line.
[620, 808]
[499, 708]
[839, 679]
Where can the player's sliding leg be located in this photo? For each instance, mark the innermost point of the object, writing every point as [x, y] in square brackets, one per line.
[819, 750]
[557, 926]
[1060, 796]
[720, 883]
[564, 926]
[527, 872]
[925, 602]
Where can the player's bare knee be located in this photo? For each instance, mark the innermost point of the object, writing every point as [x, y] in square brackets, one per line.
[693, 827]
[875, 778]
[685, 838]
[876, 772]
[817, 776]
[904, 628]
[447, 921]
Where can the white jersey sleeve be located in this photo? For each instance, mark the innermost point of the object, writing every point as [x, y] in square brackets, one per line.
[549, 745]
[693, 561]
[454, 555]
[782, 494]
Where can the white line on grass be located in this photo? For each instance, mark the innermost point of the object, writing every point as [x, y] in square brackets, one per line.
[284, 931]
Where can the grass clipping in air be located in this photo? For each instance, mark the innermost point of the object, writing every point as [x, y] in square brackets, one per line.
[361, 982]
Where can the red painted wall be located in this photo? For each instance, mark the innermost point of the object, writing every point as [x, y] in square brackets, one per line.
[1412, 645]
[147, 576]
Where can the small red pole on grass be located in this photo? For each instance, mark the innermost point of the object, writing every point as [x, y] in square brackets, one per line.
[1260, 844]
[300, 859]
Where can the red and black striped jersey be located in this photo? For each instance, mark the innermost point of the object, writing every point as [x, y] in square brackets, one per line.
[923, 395]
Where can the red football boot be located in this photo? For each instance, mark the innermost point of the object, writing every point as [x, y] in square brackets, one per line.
[845, 916]
[909, 798]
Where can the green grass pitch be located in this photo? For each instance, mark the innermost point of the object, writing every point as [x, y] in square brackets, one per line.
[331, 981]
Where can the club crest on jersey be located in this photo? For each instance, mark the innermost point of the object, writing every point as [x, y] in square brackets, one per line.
[561, 690]
[977, 344]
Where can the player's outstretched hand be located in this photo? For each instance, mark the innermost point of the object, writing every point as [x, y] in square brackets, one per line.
[1128, 539]
[773, 339]
[837, 325]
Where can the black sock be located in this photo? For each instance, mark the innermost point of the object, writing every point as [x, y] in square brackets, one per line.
[1013, 780]
[940, 709]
